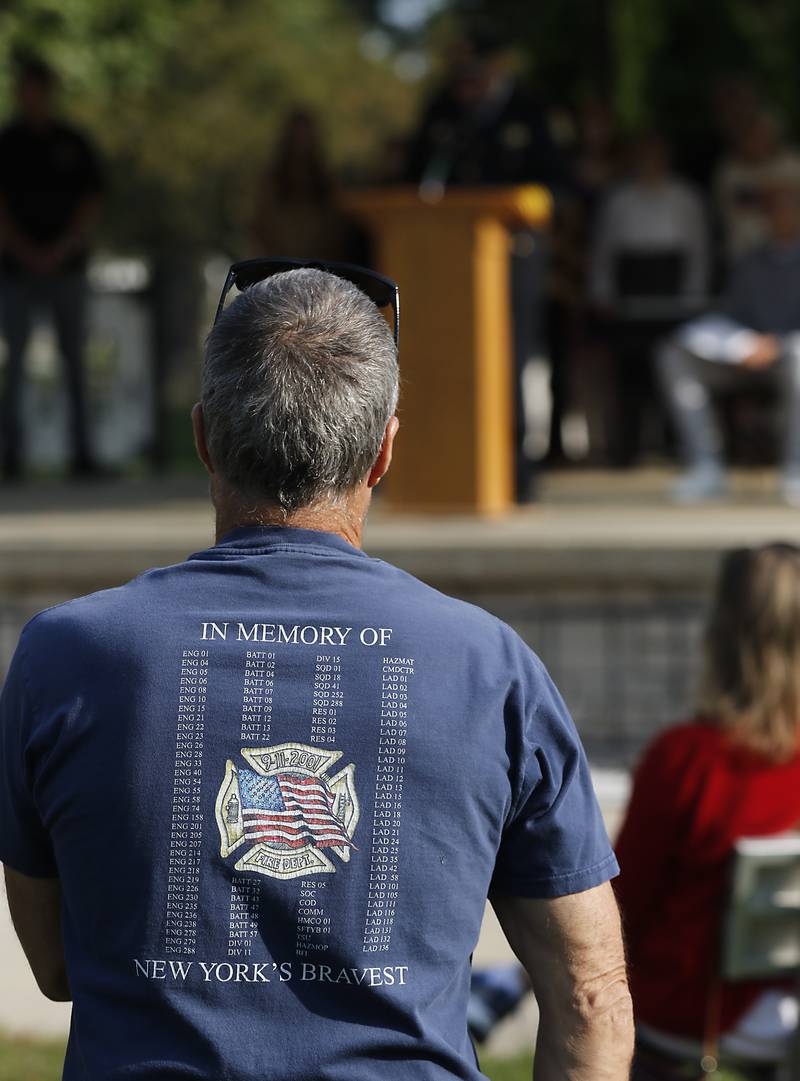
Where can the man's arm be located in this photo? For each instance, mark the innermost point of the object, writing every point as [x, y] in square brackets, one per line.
[572, 950]
[75, 233]
[14, 239]
[46, 260]
[35, 905]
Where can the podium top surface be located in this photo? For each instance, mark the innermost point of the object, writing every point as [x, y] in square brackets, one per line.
[523, 204]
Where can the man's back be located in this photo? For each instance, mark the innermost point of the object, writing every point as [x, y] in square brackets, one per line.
[251, 806]
[276, 782]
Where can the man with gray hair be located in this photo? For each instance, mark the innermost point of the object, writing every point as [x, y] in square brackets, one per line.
[251, 818]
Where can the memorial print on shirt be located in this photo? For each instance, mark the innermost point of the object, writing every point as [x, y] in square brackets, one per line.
[285, 805]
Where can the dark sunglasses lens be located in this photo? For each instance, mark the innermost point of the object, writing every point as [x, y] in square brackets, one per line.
[379, 292]
[245, 276]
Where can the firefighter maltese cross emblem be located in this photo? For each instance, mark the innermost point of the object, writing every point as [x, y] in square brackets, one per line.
[288, 809]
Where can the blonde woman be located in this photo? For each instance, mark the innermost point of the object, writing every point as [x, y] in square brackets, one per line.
[732, 771]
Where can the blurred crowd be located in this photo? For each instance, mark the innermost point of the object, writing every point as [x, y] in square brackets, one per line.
[640, 249]
[662, 285]
[614, 298]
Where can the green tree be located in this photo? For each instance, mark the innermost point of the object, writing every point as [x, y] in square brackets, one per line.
[657, 61]
[185, 96]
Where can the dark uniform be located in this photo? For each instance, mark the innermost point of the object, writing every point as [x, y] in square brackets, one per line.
[497, 138]
[45, 176]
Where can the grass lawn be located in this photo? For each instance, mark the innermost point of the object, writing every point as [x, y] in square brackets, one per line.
[508, 1069]
[25, 1059]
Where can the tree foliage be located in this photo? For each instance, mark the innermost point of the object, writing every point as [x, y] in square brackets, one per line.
[185, 97]
[655, 60]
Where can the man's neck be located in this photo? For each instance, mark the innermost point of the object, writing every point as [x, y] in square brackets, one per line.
[343, 520]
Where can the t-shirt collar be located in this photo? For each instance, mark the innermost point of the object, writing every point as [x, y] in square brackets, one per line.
[255, 539]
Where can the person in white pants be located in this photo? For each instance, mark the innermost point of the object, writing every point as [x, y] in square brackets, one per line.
[756, 344]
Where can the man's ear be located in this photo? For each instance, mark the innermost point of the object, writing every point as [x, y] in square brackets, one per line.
[384, 459]
[199, 430]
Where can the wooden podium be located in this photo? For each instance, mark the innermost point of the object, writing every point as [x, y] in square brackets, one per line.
[451, 259]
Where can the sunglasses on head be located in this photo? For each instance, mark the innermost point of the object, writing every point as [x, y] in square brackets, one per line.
[383, 292]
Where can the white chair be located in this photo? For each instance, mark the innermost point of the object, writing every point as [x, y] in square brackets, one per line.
[761, 930]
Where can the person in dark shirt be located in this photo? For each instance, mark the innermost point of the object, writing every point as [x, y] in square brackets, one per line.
[50, 184]
[755, 343]
[483, 128]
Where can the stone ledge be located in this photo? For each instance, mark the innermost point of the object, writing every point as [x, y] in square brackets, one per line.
[464, 570]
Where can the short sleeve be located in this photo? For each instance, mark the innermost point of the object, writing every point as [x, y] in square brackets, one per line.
[554, 841]
[24, 843]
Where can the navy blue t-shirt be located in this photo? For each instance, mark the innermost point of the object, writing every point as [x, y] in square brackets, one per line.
[277, 782]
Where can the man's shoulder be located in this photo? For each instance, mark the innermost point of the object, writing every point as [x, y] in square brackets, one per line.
[441, 610]
[110, 614]
[16, 139]
[103, 610]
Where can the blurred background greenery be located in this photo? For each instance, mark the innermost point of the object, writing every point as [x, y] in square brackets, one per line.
[185, 96]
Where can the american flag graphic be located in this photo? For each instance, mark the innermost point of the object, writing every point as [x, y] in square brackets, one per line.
[289, 809]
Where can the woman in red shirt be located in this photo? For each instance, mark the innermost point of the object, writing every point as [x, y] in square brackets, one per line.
[732, 772]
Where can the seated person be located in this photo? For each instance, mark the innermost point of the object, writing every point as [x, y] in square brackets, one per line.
[756, 151]
[756, 343]
[648, 272]
[731, 772]
[655, 214]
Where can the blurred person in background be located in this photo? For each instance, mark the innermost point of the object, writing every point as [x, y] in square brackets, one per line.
[653, 213]
[579, 358]
[708, 137]
[753, 345]
[50, 188]
[391, 160]
[296, 212]
[495, 992]
[757, 151]
[597, 161]
[482, 127]
[731, 772]
[649, 265]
